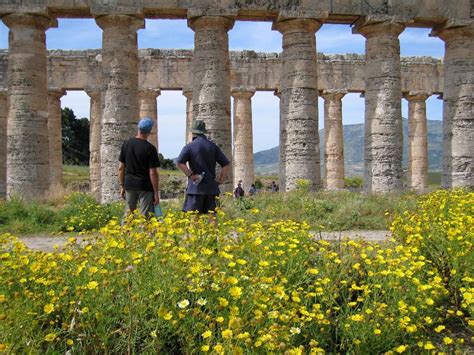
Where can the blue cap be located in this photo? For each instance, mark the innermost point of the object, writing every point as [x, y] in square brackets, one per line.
[145, 125]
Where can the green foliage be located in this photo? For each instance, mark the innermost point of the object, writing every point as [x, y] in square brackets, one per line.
[166, 164]
[81, 212]
[258, 184]
[303, 185]
[75, 138]
[26, 217]
[354, 182]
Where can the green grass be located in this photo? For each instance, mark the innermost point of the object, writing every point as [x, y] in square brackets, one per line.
[75, 173]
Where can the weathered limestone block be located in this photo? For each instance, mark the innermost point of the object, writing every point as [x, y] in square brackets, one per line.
[243, 136]
[95, 95]
[417, 141]
[148, 108]
[333, 140]
[3, 142]
[383, 112]
[458, 115]
[27, 130]
[188, 93]
[299, 104]
[120, 108]
[55, 140]
[211, 80]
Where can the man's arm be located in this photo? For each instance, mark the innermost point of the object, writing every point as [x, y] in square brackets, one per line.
[188, 172]
[155, 181]
[224, 173]
[121, 174]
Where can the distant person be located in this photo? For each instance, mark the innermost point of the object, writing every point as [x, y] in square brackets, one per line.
[274, 187]
[252, 190]
[138, 175]
[239, 191]
[202, 155]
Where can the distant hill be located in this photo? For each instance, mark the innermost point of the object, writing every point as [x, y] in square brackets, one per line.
[266, 161]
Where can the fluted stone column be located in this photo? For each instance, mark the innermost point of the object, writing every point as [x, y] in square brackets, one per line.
[148, 108]
[211, 81]
[55, 140]
[243, 136]
[458, 115]
[188, 93]
[333, 141]
[3, 142]
[299, 104]
[94, 140]
[27, 130]
[383, 111]
[120, 109]
[417, 142]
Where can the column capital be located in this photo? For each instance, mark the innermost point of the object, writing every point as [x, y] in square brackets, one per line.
[207, 22]
[41, 22]
[452, 30]
[243, 92]
[134, 23]
[93, 92]
[288, 25]
[56, 92]
[149, 93]
[376, 26]
[416, 95]
[188, 92]
[333, 95]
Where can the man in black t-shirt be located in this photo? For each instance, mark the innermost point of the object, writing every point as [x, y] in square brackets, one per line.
[138, 170]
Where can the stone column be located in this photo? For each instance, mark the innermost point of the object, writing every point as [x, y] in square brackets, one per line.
[120, 108]
[333, 141]
[282, 140]
[299, 104]
[94, 140]
[243, 136]
[55, 140]
[211, 81]
[148, 108]
[188, 93]
[3, 142]
[383, 111]
[458, 115]
[417, 142]
[27, 130]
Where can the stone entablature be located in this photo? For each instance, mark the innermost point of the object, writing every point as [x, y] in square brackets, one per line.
[421, 12]
[171, 70]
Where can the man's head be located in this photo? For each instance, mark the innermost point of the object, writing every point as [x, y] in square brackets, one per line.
[198, 127]
[145, 125]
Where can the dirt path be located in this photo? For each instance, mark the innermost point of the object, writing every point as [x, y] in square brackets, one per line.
[47, 242]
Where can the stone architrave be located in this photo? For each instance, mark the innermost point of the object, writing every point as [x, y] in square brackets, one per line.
[27, 128]
[120, 107]
[188, 93]
[148, 108]
[383, 111]
[458, 115]
[299, 104]
[417, 141]
[243, 136]
[3, 142]
[211, 81]
[95, 95]
[333, 141]
[55, 139]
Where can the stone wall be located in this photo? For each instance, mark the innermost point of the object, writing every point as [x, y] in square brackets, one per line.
[170, 70]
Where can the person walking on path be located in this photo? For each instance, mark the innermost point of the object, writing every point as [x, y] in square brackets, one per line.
[239, 191]
[252, 190]
[138, 175]
[197, 161]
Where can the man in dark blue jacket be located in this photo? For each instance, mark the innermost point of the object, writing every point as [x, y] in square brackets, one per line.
[197, 161]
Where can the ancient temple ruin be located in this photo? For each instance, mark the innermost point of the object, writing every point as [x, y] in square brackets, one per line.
[123, 84]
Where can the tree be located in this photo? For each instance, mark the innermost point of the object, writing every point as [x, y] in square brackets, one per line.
[166, 164]
[75, 138]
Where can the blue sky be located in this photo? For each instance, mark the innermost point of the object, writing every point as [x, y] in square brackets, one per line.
[258, 36]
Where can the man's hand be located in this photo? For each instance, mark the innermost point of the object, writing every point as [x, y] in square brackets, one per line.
[156, 198]
[122, 192]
